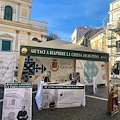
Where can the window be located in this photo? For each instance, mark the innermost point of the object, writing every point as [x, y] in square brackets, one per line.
[6, 45]
[79, 35]
[93, 46]
[118, 46]
[100, 46]
[13, 102]
[8, 13]
[35, 39]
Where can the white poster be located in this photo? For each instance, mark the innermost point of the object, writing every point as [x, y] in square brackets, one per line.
[69, 97]
[7, 66]
[88, 69]
[59, 96]
[17, 102]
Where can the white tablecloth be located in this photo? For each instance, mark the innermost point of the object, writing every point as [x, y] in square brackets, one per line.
[62, 95]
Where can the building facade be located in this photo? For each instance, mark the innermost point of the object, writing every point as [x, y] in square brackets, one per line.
[85, 40]
[113, 31]
[16, 26]
[79, 32]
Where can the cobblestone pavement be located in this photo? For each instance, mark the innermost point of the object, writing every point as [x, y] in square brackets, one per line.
[95, 109]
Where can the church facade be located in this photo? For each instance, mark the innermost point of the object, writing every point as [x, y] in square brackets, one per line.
[16, 26]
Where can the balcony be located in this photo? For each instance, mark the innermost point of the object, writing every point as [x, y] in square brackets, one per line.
[111, 46]
[39, 25]
[114, 26]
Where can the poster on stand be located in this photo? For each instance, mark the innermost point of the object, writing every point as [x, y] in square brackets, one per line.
[17, 102]
[114, 100]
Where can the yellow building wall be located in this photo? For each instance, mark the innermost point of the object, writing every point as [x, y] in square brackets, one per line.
[115, 5]
[96, 44]
[91, 45]
[115, 16]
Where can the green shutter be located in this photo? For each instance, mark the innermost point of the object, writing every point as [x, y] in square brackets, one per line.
[8, 13]
[6, 45]
[116, 46]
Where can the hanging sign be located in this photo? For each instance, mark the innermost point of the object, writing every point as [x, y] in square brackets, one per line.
[62, 53]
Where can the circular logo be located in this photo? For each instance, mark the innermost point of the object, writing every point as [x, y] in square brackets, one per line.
[24, 50]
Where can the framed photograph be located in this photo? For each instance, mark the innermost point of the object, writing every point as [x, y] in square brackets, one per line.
[24, 76]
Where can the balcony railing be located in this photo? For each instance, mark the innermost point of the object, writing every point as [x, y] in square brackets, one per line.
[113, 25]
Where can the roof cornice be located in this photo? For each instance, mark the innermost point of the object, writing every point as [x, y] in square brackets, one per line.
[20, 25]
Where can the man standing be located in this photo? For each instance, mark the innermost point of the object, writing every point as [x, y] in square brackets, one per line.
[22, 115]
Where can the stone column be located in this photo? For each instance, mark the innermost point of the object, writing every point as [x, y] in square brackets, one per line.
[18, 15]
[42, 38]
[16, 42]
[28, 40]
[45, 38]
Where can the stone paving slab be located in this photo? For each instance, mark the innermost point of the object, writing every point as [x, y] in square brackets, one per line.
[94, 110]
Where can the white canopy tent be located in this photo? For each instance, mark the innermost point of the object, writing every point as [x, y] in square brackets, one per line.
[62, 49]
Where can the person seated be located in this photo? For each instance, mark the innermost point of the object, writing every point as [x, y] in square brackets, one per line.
[47, 78]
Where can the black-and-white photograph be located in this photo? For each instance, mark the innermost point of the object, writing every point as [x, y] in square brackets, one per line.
[17, 103]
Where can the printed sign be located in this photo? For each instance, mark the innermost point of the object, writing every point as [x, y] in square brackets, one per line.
[17, 102]
[114, 100]
[62, 53]
[58, 96]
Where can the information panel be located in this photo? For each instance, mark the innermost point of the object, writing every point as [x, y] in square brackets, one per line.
[114, 100]
[59, 96]
[17, 104]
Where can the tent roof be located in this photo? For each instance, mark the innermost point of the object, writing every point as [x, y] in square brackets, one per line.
[62, 49]
[60, 44]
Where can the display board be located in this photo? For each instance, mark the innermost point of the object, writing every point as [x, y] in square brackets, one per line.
[114, 100]
[88, 69]
[58, 70]
[60, 96]
[24, 76]
[17, 101]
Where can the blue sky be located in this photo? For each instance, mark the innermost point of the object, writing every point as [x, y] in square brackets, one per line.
[63, 16]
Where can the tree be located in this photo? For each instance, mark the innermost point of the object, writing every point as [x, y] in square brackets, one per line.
[52, 36]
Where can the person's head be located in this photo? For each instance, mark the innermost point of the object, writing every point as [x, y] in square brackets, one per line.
[11, 116]
[23, 108]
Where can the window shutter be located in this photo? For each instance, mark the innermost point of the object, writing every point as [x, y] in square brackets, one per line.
[116, 46]
[6, 45]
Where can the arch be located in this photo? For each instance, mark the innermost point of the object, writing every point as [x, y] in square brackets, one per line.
[35, 39]
[8, 13]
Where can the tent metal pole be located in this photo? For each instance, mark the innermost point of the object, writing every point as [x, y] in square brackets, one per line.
[107, 75]
[74, 62]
